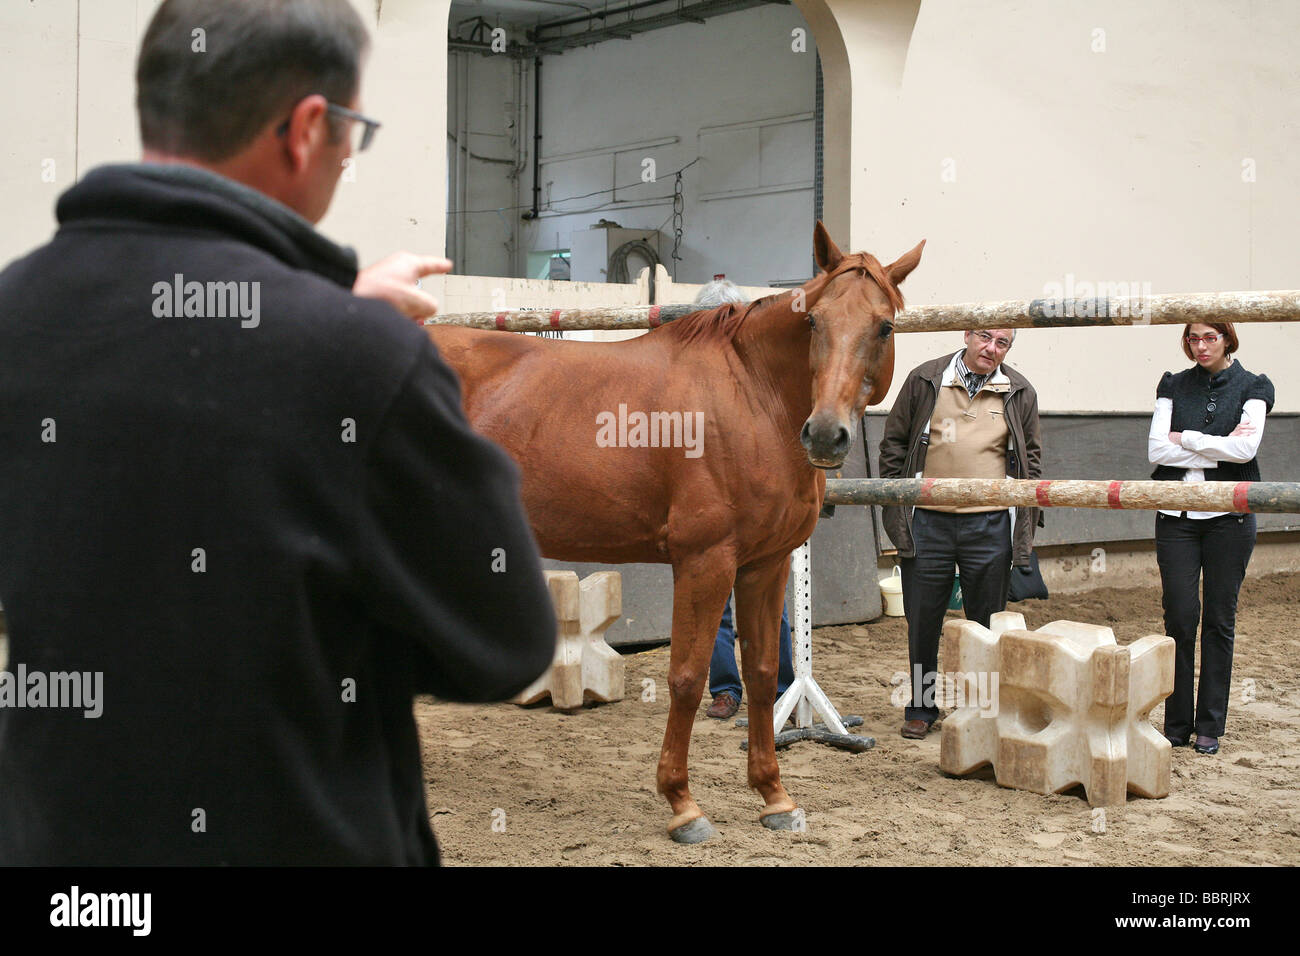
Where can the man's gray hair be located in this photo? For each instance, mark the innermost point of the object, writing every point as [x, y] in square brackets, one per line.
[212, 74]
[719, 292]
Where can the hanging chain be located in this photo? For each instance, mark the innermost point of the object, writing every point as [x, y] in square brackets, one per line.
[678, 205]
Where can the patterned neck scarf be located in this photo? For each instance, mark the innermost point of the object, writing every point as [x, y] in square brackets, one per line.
[968, 378]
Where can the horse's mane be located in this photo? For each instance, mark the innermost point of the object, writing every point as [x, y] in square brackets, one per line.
[726, 320]
[720, 323]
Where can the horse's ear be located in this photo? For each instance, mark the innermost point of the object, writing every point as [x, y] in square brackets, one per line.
[901, 269]
[825, 251]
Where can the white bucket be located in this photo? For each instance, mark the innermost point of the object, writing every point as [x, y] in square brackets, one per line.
[891, 590]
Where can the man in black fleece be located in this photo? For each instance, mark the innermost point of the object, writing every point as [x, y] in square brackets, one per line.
[239, 504]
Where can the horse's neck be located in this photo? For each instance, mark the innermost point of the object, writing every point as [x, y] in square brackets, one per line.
[773, 343]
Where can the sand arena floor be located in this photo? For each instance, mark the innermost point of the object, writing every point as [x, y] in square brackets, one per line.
[512, 786]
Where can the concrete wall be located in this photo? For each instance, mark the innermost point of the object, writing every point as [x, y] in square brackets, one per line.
[1036, 147]
[488, 98]
[731, 92]
[398, 198]
[994, 131]
[1027, 146]
[69, 104]
[1132, 564]
[69, 67]
[1115, 447]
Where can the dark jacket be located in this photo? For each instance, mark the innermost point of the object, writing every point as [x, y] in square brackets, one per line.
[1212, 405]
[268, 536]
[903, 448]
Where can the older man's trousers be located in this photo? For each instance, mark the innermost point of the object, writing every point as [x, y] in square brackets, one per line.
[977, 545]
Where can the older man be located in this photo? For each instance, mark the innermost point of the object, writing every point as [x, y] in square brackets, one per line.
[241, 510]
[967, 415]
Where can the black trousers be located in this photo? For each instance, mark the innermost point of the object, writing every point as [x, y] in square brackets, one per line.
[979, 545]
[1186, 547]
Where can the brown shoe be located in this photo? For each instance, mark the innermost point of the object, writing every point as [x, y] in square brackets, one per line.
[724, 707]
[916, 729]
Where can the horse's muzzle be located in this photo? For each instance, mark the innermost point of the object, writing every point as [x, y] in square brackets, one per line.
[826, 442]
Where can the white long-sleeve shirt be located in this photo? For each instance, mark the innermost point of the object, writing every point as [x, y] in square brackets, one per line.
[1199, 451]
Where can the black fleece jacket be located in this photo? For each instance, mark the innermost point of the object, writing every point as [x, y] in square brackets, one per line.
[267, 530]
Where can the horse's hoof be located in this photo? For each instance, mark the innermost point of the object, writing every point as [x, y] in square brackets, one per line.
[694, 831]
[790, 820]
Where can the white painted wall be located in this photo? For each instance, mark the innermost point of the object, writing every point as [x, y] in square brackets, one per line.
[1117, 165]
[729, 92]
[483, 94]
[68, 105]
[69, 74]
[1110, 166]
[397, 200]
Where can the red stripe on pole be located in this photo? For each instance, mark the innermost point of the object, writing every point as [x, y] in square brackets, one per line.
[1040, 492]
[654, 317]
[924, 496]
[1112, 494]
[501, 321]
[1241, 496]
[555, 319]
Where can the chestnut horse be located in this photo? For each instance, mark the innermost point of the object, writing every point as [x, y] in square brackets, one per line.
[723, 505]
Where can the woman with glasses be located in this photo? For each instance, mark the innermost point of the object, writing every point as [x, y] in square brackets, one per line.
[1208, 425]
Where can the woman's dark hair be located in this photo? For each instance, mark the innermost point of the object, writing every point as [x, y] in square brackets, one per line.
[1226, 329]
[213, 73]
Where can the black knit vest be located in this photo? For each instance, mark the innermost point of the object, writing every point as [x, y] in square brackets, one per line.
[1211, 405]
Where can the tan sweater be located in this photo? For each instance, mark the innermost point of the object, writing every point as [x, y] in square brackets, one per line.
[968, 439]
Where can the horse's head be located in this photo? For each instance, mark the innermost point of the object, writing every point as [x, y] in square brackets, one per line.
[852, 350]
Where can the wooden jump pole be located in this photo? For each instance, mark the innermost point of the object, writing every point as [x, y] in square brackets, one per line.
[1020, 314]
[1259, 497]
[615, 318]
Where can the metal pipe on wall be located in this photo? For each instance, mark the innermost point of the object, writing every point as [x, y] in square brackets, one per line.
[519, 256]
[537, 139]
[462, 151]
[449, 243]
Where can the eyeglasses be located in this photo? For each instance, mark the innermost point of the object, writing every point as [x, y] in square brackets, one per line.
[1209, 339]
[1001, 344]
[367, 133]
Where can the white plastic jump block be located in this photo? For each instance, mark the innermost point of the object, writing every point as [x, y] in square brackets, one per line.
[585, 667]
[1071, 707]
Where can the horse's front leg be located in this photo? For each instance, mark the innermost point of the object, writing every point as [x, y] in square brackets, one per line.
[700, 587]
[760, 593]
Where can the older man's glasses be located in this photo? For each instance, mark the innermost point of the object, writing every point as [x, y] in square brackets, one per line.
[368, 127]
[1000, 344]
[1209, 339]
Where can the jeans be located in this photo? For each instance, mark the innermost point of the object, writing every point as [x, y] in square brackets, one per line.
[723, 675]
[979, 544]
[1220, 548]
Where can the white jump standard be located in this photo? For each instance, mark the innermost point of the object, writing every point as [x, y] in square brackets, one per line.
[804, 696]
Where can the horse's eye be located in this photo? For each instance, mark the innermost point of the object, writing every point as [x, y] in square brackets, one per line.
[812, 322]
[886, 330]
